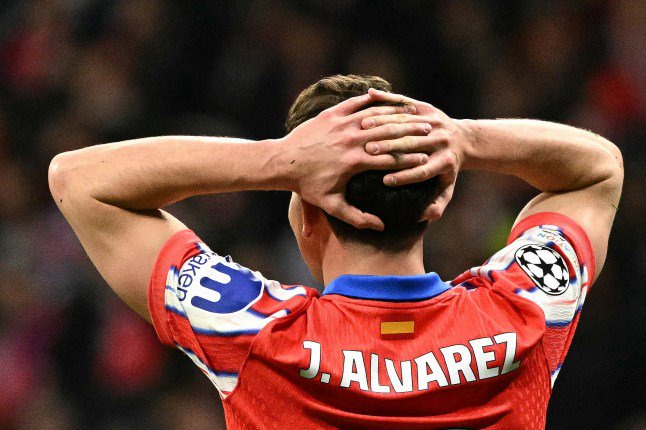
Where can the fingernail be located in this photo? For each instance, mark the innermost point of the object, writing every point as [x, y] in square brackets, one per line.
[423, 158]
[410, 109]
[390, 180]
[426, 128]
[372, 148]
[370, 123]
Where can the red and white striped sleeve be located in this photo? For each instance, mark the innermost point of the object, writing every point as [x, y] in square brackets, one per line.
[211, 308]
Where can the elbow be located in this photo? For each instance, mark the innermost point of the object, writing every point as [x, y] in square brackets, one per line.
[617, 162]
[617, 165]
[60, 175]
[618, 159]
[615, 176]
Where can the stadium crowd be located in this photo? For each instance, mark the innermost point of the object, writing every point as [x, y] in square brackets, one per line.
[75, 73]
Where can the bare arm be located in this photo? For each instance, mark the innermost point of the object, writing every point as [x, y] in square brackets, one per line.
[112, 194]
[579, 173]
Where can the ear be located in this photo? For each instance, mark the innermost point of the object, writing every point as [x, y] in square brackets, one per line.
[311, 218]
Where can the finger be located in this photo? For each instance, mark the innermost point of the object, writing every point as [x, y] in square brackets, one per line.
[394, 131]
[393, 161]
[382, 110]
[383, 96]
[433, 167]
[405, 144]
[435, 210]
[340, 209]
[398, 118]
[351, 105]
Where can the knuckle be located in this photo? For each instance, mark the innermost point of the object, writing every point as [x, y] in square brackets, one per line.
[446, 159]
[401, 118]
[334, 208]
[352, 136]
[408, 142]
[435, 213]
[451, 160]
[336, 122]
[367, 113]
[444, 135]
[326, 114]
[352, 160]
[360, 222]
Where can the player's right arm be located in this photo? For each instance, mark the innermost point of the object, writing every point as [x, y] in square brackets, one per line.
[112, 194]
[579, 173]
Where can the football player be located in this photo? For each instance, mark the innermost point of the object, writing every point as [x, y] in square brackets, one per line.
[386, 344]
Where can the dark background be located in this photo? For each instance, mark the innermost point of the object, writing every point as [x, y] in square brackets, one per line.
[80, 72]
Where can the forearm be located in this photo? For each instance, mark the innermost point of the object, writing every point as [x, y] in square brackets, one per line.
[552, 157]
[153, 172]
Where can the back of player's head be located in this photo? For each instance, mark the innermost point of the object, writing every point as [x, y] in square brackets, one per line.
[400, 208]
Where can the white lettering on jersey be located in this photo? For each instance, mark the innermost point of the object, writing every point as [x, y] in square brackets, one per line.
[431, 373]
[405, 385]
[315, 359]
[510, 352]
[375, 387]
[483, 357]
[354, 360]
[456, 366]
[425, 362]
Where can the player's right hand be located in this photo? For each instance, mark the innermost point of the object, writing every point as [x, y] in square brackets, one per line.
[323, 153]
[446, 146]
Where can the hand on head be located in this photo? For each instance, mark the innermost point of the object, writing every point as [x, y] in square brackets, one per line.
[327, 150]
[445, 146]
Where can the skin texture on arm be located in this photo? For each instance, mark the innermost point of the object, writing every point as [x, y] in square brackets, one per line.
[112, 194]
[579, 173]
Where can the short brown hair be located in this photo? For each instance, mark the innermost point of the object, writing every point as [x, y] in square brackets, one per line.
[400, 208]
[329, 92]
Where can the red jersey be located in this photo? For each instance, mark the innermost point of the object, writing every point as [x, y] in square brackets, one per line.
[397, 352]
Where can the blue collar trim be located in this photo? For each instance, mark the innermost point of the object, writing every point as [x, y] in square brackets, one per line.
[388, 288]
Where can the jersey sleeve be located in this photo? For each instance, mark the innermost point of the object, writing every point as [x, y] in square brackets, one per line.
[549, 261]
[211, 308]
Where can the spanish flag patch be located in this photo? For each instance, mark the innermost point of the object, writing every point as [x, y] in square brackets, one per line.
[398, 329]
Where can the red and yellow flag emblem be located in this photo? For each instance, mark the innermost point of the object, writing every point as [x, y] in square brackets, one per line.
[397, 329]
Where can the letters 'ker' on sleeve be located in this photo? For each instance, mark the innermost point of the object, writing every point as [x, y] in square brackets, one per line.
[211, 308]
[549, 261]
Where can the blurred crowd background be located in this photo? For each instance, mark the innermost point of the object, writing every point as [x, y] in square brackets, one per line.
[75, 73]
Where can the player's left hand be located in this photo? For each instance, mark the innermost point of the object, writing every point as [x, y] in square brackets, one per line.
[445, 144]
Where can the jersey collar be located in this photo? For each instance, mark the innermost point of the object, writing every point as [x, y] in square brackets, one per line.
[388, 288]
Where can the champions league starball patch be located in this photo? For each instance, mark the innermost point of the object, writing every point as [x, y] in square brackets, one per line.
[545, 267]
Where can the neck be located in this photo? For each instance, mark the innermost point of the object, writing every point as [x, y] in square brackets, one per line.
[357, 259]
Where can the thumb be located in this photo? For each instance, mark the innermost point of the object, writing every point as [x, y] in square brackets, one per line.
[342, 210]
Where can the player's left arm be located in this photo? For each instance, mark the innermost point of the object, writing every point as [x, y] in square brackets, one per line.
[579, 174]
[112, 194]
[559, 242]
